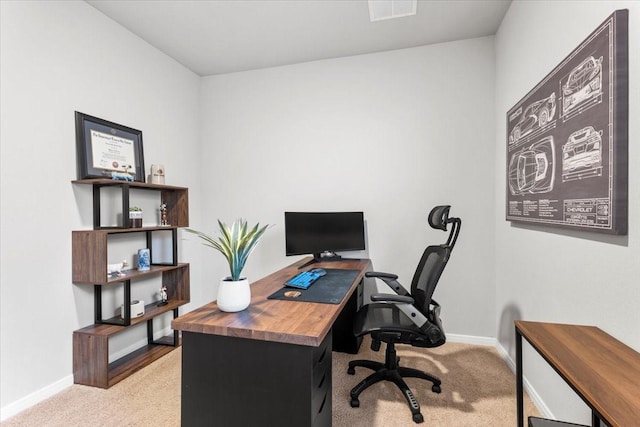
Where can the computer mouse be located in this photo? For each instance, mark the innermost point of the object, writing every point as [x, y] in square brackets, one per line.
[318, 271]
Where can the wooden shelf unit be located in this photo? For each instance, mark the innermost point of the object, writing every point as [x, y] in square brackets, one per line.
[89, 264]
[91, 358]
[176, 198]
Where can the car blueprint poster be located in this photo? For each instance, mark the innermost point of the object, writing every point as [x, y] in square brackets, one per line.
[567, 139]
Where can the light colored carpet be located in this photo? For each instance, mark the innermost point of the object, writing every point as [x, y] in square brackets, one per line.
[478, 389]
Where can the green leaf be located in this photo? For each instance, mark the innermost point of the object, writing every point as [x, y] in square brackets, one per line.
[236, 243]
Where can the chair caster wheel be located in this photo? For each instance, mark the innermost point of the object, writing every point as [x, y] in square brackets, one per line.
[418, 418]
[351, 371]
[355, 403]
[436, 389]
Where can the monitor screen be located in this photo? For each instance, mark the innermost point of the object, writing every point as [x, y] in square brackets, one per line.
[318, 232]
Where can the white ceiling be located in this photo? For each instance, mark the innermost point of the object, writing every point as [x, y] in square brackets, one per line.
[223, 36]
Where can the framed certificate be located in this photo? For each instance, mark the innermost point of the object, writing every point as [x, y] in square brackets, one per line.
[108, 150]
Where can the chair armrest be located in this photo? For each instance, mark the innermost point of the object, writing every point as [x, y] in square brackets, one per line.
[392, 298]
[380, 275]
[390, 280]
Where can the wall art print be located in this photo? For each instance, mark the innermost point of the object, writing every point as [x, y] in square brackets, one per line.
[567, 139]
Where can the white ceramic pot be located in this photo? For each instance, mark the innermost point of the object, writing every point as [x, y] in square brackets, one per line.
[233, 296]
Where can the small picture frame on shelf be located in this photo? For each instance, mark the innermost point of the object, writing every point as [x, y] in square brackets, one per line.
[108, 150]
[144, 259]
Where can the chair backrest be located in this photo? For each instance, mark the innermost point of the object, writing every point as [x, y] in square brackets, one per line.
[434, 259]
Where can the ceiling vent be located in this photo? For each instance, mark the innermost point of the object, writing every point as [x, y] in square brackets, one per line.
[388, 9]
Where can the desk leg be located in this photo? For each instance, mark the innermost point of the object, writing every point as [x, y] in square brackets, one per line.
[519, 387]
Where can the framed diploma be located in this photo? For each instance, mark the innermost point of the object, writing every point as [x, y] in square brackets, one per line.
[108, 150]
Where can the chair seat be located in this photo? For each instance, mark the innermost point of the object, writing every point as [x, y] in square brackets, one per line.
[375, 316]
[387, 323]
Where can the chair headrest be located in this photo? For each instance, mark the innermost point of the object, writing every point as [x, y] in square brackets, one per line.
[439, 217]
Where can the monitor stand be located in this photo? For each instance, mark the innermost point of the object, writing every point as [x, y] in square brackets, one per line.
[326, 256]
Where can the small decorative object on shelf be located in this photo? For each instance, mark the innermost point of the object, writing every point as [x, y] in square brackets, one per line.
[163, 296]
[144, 259]
[121, 176]
[163, 215]
[115, 270]
[137, 309]
[135, 217]
[157, 174]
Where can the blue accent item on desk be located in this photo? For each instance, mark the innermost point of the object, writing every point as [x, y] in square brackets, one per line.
[329, 289]
[305, 279]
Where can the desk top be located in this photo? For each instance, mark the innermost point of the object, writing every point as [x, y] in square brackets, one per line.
[291, 322]
[604, 371]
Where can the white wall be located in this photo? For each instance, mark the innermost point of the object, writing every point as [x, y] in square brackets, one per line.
[59, 57]
[392, 134]
[386, 133]
[544, 274]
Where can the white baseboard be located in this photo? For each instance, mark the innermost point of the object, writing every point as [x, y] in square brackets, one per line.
[44, 393]
[492, 342]
[469, 339]
[36, 397]
[535, 397]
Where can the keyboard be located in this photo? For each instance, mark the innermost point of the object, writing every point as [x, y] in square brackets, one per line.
[305, 279]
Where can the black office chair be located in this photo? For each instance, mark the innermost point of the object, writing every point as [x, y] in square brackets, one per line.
[406, 318]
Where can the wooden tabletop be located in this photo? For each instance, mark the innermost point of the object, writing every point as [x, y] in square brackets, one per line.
[604, 371]
[292, 322]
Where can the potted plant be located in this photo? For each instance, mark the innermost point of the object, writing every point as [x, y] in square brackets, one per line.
[135, 217]
[236, 243]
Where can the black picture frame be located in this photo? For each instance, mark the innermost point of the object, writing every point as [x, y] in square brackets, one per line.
[567, 139]
[120, 147]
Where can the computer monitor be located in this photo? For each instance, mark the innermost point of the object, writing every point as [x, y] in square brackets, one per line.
[321, 234]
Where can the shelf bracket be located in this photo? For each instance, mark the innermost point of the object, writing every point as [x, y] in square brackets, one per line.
[126, 307]
[174, 246]
[96, 206]
[176, 338]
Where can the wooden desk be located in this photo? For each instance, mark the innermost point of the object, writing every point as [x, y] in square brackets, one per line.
[604, 372]
[269, 364]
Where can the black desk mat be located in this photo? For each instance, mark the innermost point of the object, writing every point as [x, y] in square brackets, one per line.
[329, 289]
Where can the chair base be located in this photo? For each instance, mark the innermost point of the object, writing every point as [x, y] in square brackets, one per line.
[390, 371]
